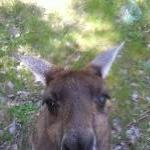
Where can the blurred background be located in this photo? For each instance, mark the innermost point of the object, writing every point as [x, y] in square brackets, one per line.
[70, 33]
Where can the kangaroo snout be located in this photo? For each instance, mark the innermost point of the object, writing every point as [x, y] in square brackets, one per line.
[74, 140]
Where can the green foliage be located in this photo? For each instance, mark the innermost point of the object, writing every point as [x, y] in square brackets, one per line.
[23, 113]
[95, 27]
[5, 136]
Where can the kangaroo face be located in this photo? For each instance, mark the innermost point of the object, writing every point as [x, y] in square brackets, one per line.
[74, 115]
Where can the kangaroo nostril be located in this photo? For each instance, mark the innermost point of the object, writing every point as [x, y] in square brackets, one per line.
[69, 143]
[65, 147]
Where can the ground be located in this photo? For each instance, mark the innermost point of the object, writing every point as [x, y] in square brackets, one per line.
[70, 34]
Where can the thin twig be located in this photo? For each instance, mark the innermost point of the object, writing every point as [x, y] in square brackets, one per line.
[142, 117]
[147, 31]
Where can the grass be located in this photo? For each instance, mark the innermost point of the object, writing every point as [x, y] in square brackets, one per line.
[23, 113]
[92, 27]
[6, 137]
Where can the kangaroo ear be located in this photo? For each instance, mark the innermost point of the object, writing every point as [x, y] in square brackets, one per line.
[40, 68]
[103, 62]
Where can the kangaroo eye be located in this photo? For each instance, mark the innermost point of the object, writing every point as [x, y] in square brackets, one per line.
[52, 105]
[101, 100]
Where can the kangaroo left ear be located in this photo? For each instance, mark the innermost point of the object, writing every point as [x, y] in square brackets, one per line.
[103, 62]
[41, 69]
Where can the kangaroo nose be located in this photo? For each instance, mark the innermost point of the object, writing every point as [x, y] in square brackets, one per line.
[78, 141]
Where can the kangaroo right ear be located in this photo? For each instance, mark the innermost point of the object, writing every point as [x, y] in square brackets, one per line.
[103, 62]
[42, 70]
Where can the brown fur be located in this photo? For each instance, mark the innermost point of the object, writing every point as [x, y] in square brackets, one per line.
[75, 93]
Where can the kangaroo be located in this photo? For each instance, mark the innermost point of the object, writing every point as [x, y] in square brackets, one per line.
[73, 116]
